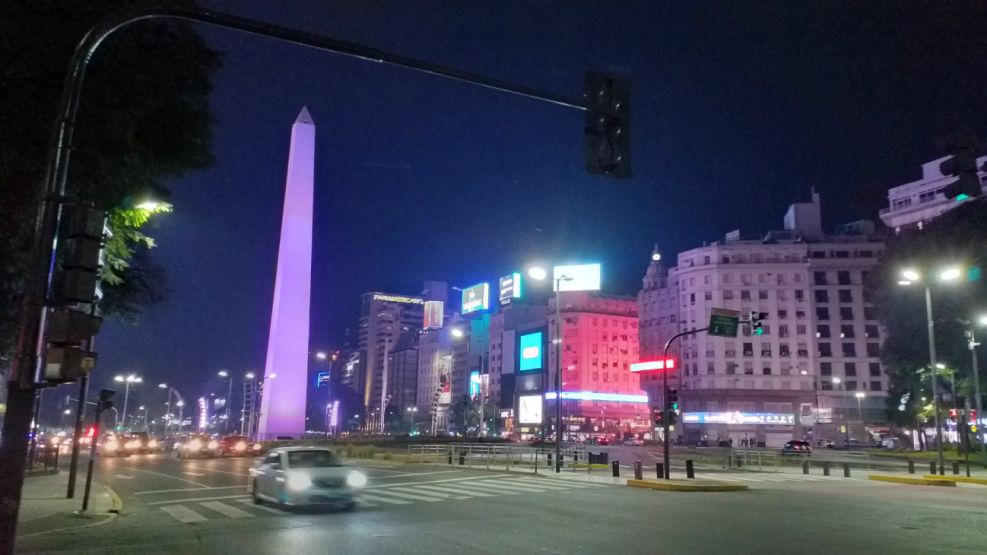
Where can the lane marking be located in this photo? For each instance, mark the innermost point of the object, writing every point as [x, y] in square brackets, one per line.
[123, 477]
[477, 486]
[520, 489]
[193, 500]
[456, 491]
[560, 482]
[432, 493]
[418, 497]
[184, 489]
[414, 474]
[377, 499]
[525, 483]
[201, 485]
[226, 510]
[183, 514]
[424, 482]
[187, 473]
[220, 471]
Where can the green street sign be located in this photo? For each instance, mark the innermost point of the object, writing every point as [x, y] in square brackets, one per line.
[723, 322]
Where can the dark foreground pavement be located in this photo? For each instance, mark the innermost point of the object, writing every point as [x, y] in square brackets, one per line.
[175, 506]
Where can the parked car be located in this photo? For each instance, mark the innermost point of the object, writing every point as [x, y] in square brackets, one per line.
[198, 445]
[301, 476]
[238, 446]
[796, 447]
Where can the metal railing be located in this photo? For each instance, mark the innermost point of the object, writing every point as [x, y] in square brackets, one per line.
[761, 461]
[496, 456]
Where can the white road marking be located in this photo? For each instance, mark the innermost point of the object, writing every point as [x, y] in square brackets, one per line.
[478, 486]
[123, 477]
[560, 482]
[185, 489]
[509, 487]
[170, 476]
[453, 490]
[413, 474]
[432, 493]
[193, 500]
[377, 499]
[226, 510]
[183, 514]
[375, 486]
[416, 497]
[193, 473]
[552, 487]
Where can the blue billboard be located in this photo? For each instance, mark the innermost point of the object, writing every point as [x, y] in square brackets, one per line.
[530, 352]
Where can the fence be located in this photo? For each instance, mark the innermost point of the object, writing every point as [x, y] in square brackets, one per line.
[42, 457]
[485, 455]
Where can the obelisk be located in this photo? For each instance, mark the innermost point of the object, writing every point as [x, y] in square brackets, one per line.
[282, 407]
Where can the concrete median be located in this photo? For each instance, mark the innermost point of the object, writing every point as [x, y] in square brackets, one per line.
[683, 485]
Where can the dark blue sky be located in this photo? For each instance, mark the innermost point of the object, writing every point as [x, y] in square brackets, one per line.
[738, 109]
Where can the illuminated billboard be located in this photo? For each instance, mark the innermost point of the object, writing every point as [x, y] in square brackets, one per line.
[530, 352]
[476, 297]
[433, 315]
[529, 409]
[510, 288]
[445, 391]
[577, 277]
[740, 418]
[474, 384]
[647, 366]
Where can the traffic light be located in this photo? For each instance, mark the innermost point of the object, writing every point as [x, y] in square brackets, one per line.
[962, 165]
[756, 324]
[608, 132]
[673, 417]
[672, 397]
[105, 400]
[78, 277]
[658, 416]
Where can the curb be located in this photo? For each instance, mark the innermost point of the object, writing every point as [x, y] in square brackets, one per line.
[116, 504]
[676, 485]
[913, 481]
[964, 479]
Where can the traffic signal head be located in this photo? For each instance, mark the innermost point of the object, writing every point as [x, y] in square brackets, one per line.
[608, 147]
[962, 165]
[755, 320]
[658, 416]
[672, 399]
[105, 402]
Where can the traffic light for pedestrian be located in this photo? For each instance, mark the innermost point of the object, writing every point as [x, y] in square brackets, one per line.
[608, 139]
[755, 321]
[962, 165]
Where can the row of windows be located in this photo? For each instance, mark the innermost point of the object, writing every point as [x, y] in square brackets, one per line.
[843, 277]
[850, 349]
[850, 369]
[851, 385]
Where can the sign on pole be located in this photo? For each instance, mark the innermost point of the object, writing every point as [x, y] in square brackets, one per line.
[723, 322]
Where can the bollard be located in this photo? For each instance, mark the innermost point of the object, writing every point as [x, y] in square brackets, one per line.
[690, 472]
[805, 467]
[638, 471]
[846, 470]
[450, 457]
[462, 459]
[825, 468]
[956, 468]
[660, 469]
[549, 460]
[615, 467]
[911, 466]
[967, 469]
[932, 467]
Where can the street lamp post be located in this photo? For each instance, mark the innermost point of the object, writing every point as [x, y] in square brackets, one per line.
[910, 276]
[976, 385]
[413, 411]
[229, 393]
[846, 407]
[247, 415]
[128, 379]
[860, 411]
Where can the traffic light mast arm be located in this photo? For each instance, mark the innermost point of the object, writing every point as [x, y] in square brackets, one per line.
[664, 395]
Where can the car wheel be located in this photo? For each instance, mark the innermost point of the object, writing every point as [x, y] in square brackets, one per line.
[253, 493]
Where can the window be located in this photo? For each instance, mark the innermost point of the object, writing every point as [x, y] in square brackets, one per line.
[692, 298]
[749, 368]
[710, 368]
[731, 368]
[708, 295]
[745, 295]
[800, 329]
[762, 295]
[849, 350]
[799, 295]
[825, 350]
[822, 331]
[842, 277]
[851, 385]
[846, 313]
[782, 314]
[819, 278]
[800, 315]
[850, 369]
[728, 295]
[871, 332]
[822, 296]
[874, 369]
[765, 349]
[873, 349]
[748, 349]
[825, 368]
[783, 330]
[826, 386]
[784, 351]
[846, 331]
[846, 296]
[727, 278]
[822, 313]
[875, 385]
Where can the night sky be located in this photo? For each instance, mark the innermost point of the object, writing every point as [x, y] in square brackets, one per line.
[738, 110]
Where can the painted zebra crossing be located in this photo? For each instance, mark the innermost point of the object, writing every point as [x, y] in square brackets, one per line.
[767, 477]
[194, 511]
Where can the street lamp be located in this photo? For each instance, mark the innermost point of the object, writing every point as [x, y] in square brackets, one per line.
[539, 273]
[229, 393]
[860, 411]
[413, 411]
[128, 379]
[321, 355]
[910, 276]
[846, 420]
[972, 345]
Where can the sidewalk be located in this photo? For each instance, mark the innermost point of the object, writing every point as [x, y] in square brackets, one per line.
[44, 507]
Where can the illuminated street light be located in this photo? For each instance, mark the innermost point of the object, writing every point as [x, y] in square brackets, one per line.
[950, 274]
[457, 333]
[321, 355]
[249, 376]
[537, 273]
[128, 379]
[911, 275]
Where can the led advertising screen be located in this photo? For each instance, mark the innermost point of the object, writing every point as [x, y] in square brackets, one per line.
[433, 315]
[530, 352]
[510, 288]
[474, 384]
[577, 277]
[529, 409]
[476, 298]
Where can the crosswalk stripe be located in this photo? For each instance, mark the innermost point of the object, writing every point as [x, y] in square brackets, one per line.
[226, 510]
[455, 491]
[250, 501]
[376, 499]
[552, 487]
[553, 481]
[366, 503]
[474, 486]
[183, 514]
[520, 489]
[432, 493]
[416, 497]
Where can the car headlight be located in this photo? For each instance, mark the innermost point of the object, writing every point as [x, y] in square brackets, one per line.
[298, 480]
[112, 445]
[153, 444]
[258, 447]
[356, 479]
[212, 444]
[195, 445]
[240, 446]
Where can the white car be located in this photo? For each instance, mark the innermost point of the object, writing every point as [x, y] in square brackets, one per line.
[301, 476]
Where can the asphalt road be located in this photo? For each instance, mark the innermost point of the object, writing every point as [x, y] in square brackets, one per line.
[198, 506]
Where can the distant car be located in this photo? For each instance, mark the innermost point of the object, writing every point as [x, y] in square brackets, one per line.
[305, 476]
[145, 443]
[113, 446]
[796, 447]
[238, 446]
[633, 441]
[198, 445]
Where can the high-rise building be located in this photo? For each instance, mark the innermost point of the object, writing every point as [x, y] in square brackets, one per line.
[384, 319]
[402, 374]
[505, 325]
[914, 204]
[434, 369]
[821, 339]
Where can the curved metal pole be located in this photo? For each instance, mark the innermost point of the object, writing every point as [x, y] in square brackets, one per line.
[665, 452]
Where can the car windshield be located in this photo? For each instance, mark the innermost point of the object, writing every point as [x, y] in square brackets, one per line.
[312, 459]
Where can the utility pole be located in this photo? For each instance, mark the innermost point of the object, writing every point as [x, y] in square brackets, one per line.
[383, 388]
[972, 345]
[666, 406]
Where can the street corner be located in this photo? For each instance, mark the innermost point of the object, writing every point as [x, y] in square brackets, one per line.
[62, 522]
[686, 485]
[907, 480]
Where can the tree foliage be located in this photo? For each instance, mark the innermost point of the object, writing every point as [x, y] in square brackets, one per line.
[956, 238]
[144, 119]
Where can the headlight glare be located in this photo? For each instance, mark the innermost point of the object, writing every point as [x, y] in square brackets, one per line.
[298, 481]
[356, 479]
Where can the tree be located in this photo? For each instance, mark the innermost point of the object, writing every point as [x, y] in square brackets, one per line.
[958, 237]
[144, 119]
